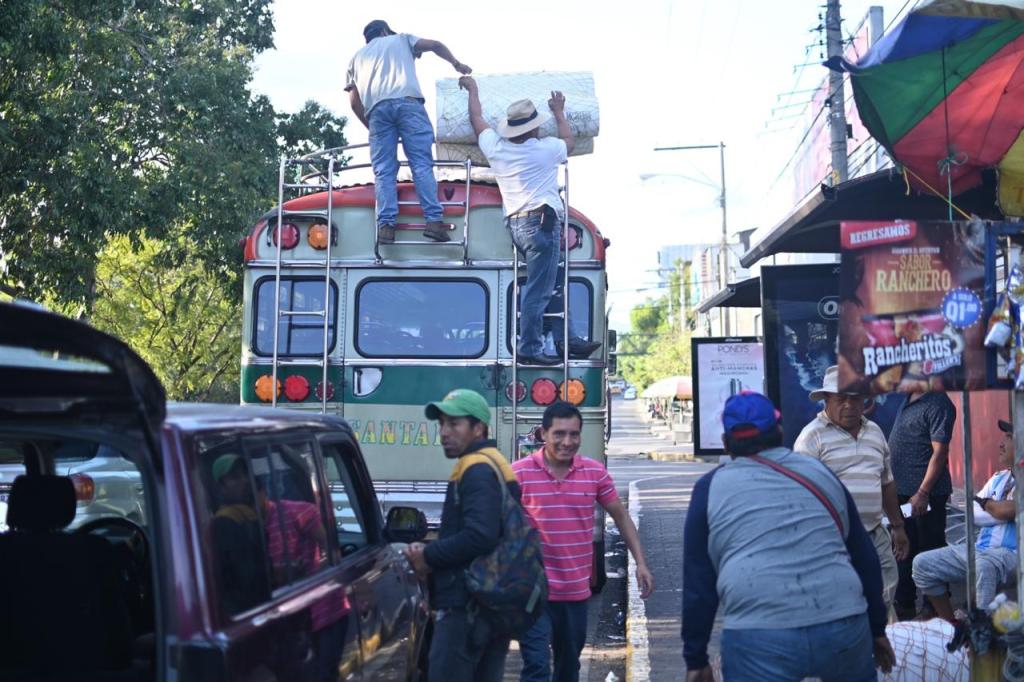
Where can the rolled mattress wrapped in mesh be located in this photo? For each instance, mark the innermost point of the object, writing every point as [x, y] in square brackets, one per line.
[455, 138]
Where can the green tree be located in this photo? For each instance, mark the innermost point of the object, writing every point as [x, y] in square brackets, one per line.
[181, 320]
[134, 117]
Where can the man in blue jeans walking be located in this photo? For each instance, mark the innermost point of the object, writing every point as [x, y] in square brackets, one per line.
[525, 166]
[386, 97]
[775, 539]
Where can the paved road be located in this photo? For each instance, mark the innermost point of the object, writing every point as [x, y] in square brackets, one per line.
[664, 489]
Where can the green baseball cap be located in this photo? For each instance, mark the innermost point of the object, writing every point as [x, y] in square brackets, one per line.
[461, 402]
[222, 465]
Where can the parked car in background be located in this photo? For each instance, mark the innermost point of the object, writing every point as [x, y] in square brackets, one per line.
[629, 393]
[251, 546]
[616, 386]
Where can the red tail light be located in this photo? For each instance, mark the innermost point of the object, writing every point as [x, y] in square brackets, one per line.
[320, 390]
[543, 391]
[520, 391]
[289, 235]
[85, 487]
[296, 388]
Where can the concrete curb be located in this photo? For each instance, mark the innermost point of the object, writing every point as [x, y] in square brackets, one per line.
[672, 457]
[638, 664]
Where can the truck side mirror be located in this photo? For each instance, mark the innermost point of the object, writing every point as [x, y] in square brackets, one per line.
[405, 524]
[613, 341]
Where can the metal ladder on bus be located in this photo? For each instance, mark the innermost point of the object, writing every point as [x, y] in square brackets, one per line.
[314, 161]
[310, 160]
[564, 316]
[463, 243]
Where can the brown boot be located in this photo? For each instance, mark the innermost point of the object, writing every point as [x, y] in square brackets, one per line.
[436, 231]
[386, 234]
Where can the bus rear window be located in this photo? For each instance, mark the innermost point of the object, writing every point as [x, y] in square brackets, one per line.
[297, 334]
[424, 318]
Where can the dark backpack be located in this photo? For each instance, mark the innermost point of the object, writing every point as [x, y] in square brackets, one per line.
[508, 587]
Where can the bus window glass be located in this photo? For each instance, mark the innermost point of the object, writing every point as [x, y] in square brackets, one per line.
[297, 334]
[422, 318]
[579, 310]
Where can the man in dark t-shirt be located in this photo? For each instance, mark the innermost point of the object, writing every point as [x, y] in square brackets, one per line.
[919, 443]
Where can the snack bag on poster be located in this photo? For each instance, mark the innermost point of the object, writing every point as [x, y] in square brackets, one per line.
[911, 316]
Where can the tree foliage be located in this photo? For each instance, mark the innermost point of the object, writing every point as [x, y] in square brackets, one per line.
[659, 344]
[134, 117]
[181, 320]
[134, 157]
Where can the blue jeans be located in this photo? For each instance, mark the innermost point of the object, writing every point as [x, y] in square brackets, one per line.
[461, 651]
[837, 651]
[561, 628]
[405, 119]
[541, 249]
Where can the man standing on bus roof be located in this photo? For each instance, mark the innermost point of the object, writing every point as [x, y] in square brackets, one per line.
[386, 97]
[526, 169]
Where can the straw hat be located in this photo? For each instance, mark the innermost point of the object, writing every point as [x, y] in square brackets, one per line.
[830, 384]
[522, 118]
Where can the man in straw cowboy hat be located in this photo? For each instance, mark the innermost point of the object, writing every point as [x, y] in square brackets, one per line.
[854, 448]
[526, 168]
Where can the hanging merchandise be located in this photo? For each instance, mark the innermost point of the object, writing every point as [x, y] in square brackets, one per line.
[1000, 324]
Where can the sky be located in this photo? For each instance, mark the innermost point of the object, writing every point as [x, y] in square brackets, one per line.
[667, 73]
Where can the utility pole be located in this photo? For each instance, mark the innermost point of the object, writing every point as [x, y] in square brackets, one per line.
[837, 96]
[723, 255]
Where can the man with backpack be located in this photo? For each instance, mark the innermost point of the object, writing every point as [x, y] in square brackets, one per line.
[466, 645]
[776, 538]
[559, 490]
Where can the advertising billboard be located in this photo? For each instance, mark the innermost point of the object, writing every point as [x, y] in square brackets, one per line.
[722, 367]
[911, 314]
[800, 305]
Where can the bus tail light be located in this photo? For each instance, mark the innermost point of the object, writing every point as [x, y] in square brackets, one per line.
[317, 236]
[296, 388]
[520, 390]
[263, 390]
[574, 393]
[320, 390]
[543, 391]
[289, 235]
[85, 487]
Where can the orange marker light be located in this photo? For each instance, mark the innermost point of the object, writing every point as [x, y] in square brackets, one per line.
[317, 236]
[263, 390]
[576, 392]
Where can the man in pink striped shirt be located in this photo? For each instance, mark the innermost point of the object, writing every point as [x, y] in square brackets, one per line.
[559, 489]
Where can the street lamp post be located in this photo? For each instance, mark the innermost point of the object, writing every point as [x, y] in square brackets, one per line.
[723, 256]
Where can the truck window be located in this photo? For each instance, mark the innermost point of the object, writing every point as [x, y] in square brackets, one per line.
[298, 335]
[424, 318]
[348, 515]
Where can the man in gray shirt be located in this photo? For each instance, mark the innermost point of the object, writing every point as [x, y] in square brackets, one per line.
[386, 97]
[775, 538]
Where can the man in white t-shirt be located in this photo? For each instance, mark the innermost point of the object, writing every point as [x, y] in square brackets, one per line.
[526, 168]
[386, 97]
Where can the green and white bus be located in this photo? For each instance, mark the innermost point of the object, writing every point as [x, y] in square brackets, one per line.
[341, 323]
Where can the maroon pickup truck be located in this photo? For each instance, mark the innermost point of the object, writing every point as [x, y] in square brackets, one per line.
[261, 552]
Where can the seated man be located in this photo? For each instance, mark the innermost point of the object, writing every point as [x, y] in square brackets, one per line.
[996, 556]
[236, 531]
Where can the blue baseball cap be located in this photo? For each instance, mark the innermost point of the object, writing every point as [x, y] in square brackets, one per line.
[749, 414]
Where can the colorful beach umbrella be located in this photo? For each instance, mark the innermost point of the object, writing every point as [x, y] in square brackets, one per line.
[944, 93]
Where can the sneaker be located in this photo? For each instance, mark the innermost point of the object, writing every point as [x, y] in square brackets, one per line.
[542, 360]
[386, 234]
[579, 349]
[436, 231]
